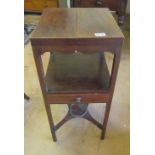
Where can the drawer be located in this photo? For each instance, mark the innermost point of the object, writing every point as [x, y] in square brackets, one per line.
[39, 5]
[33, 5]
[71, 45]
[106, 3]
[50, 3]
[71, 98]
[112, 4]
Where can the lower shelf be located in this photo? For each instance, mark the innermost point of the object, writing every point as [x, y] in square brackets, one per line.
[86, 116]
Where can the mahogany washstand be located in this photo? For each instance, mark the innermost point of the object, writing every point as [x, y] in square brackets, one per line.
[77, 74]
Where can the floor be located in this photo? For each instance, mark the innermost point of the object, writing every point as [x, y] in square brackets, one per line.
[78, 136]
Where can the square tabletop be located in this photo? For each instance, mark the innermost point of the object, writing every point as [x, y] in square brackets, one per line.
[75, 23]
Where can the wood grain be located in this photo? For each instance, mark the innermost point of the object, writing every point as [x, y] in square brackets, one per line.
[62, 31]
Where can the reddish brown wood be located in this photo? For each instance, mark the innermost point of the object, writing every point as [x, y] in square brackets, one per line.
[40, 71]
[87, 116]
[70, 97]
[115, 66]
[64, 31]
[37, 6]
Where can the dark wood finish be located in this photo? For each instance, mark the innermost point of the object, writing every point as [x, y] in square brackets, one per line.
[37, 6]
[115, 5]
[76, 23]
[77, 65]
[26, 97]
[87, 116]
[65, 98]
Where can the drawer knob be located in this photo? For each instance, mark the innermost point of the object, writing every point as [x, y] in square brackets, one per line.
[99, 3]
[75, 51]
[78, 100]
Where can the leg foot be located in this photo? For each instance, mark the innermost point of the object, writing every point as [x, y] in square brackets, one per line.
[53, 135]
[102, 137]
[106, 116]
[26, 97]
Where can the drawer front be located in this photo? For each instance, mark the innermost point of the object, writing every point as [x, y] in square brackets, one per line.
[33, 5]
[82, 3]
[38, 5]
[112, 4]
[70, 45]
[72, 98]
[50, 3]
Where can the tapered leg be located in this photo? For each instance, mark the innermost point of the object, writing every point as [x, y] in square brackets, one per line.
[39, 65]
[50, 120]
[121, 12]
[26, 97]
[121, 19]
[105, 120]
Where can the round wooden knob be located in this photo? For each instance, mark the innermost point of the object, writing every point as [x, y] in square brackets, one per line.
[99, 3]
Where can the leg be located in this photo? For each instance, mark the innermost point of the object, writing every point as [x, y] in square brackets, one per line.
[115, 66]
[100, 64]
[50, 120]
[106, 116]
[121, 12]
[26, 97]
[121, 19]
[40, 71]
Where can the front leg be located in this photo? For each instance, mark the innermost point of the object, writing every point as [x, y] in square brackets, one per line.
[121, 19]
[121, 11]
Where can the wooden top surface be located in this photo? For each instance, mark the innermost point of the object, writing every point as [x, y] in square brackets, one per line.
[77, 23]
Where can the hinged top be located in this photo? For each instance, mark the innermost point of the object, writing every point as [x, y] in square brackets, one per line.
[77, 23]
